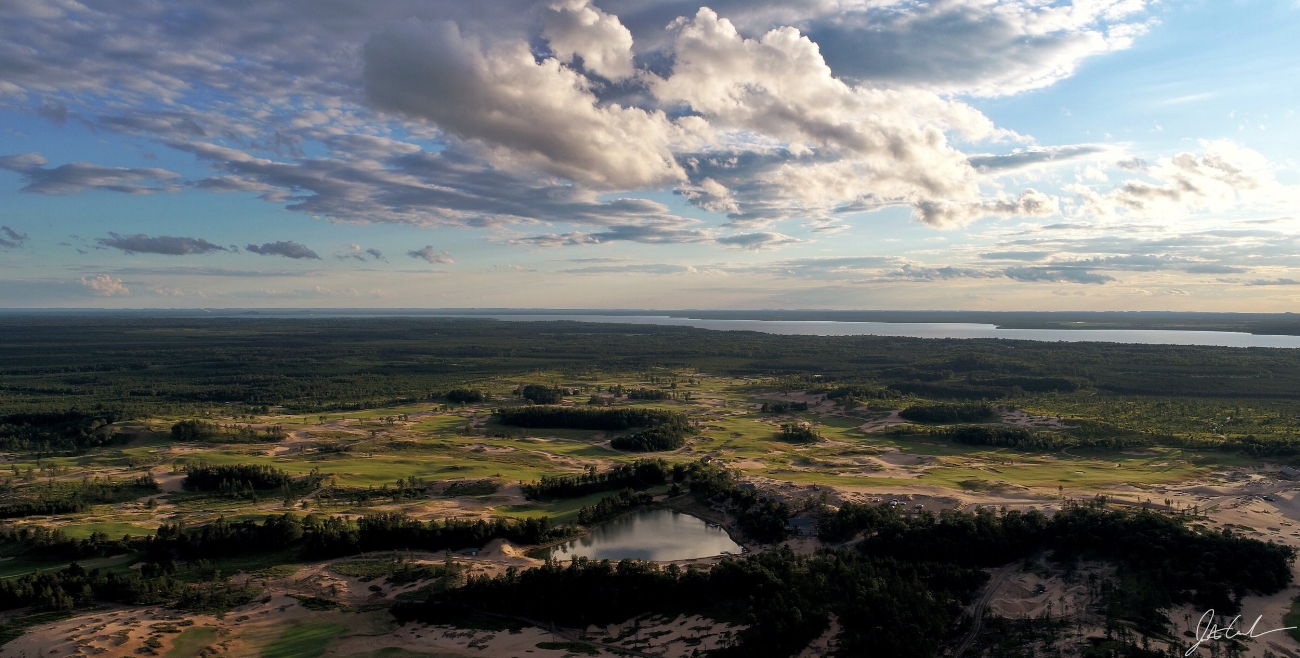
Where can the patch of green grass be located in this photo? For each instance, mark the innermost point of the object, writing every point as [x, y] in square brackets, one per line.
[24, 565]
[363, 569]
[113, 529]
[14, 627]
[304, 639]
[1292, 618]
[571, 647]
[191, 641]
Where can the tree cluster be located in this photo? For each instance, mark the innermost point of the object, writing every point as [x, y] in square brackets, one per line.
[639, 474]
[234, 477]
[798, 433]
[540, 393]
[465, 395]
[783, 407]
[191, 431]
[70, 430]
[611, 506]
[948, 413]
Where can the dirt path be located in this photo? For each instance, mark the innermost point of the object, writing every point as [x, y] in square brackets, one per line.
[999, 577]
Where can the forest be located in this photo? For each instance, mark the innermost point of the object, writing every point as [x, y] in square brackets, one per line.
[900, 593]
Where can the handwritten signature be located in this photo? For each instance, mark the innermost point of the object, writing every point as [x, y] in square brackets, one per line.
[1207, 629]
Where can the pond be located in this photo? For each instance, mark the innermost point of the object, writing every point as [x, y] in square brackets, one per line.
[653, 534]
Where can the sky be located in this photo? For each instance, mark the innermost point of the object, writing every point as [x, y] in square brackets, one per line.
[739, 154]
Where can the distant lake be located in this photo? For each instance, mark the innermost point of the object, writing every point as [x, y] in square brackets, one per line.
[653, 534]
[930, 330]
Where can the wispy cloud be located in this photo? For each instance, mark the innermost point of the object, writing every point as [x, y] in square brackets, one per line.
[162, 244]
[288, 249]
[432, 256]
[11, 239]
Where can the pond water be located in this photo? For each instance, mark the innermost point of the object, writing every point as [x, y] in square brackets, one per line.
[653, 534]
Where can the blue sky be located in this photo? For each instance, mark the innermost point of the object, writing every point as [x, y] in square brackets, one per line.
[960, 154]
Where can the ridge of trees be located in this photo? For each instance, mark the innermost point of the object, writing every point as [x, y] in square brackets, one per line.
[948, 413]
[639, 474]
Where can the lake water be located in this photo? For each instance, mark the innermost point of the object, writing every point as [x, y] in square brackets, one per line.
[933, 330]
[652, 534]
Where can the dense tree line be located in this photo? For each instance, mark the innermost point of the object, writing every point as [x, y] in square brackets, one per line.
[783, 407]
[948, 413]
[1182, 563]
[158, 365]
[465, 395]
[320, 537]
[540, 393]
[40, 542]
[647, 394]
[639, 474]
[581, 418]
[1020, 438]
[234, 477]
[73, 586]
[653, 439]
[611, 506]
[60, 431]
[855, 391]
[69, 497]
[191, 431]
[757, 516]
[885, 607]
[900, 594]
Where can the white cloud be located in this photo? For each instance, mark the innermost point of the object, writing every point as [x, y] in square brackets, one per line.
[523, 114]
[105, 285]
[574, 27]
[843, 144]
[1226, 175]
[432, 256]
[757, 241]
[357, 252]
[74, 177]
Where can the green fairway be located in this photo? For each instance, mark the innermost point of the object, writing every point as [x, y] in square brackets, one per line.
[304, 639]
[191, 642]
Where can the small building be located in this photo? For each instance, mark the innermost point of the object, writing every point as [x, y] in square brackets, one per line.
[1288, 473]
[802, 527]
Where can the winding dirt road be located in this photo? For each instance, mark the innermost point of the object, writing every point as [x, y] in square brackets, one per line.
[999, 577]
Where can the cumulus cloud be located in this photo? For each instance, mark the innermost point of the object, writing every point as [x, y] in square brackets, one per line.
[840, 146]
[288, 249]
[105, 285]
[575, 28]
[74, 177]
[357, 252]
[432, 256]
[524, 114]
[1223, 177]
[162, 244]
[980, 48]
[947, 214]
[11, 239]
